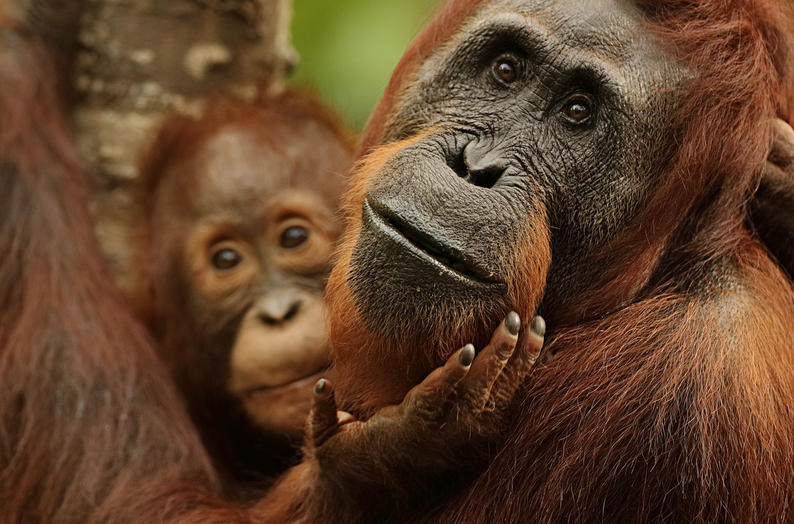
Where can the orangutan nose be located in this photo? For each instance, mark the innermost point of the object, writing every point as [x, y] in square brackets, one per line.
[483, 165]
[279, 307]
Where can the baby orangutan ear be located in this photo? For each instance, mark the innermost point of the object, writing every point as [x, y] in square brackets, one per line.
[772, 208]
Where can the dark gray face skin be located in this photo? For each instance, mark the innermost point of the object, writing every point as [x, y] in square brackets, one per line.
[568, 138]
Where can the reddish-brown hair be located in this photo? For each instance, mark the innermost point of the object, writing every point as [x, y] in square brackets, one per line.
[91, 427]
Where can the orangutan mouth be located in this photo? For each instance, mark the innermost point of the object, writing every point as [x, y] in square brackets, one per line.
[431, 248]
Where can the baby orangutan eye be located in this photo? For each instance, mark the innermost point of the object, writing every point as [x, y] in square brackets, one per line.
[226, 259]
[505, 69]
[294, 236]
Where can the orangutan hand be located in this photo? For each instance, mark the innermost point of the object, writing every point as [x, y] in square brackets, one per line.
[450, 417]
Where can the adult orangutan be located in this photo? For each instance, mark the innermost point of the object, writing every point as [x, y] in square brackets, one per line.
[92, 429]
[240, 208]
[591, 160]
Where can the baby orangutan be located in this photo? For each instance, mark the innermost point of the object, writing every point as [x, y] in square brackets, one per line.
[241, 221]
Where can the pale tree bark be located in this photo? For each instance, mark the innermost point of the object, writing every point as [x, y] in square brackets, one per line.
[139, 59]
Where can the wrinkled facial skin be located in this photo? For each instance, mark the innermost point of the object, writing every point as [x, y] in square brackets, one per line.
[517, 150]
[258, 228]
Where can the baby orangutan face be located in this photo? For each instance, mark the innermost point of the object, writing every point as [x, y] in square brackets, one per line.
[247, 227]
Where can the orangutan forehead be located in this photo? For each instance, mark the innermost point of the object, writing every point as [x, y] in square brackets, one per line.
[603, 41]
[610, 28]
[236, 170]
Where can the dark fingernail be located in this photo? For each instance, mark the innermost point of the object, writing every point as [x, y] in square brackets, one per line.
[539, 326]
[512, 323]
[319, 388]
[466, 356]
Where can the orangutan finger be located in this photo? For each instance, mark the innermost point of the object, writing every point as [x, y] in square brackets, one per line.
[323, 420]
[429, 397]
[524, 359]
[531, 343]
[490, 362]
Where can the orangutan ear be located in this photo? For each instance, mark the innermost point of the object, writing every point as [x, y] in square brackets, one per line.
[772, 207]
[781, 155]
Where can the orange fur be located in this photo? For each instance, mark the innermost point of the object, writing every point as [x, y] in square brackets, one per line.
[654, 415]
[91, 427]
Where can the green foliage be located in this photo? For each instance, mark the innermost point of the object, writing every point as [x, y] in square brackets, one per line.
[348, 48]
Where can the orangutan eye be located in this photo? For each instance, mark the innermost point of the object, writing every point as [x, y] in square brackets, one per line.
[294, 236]
[226, 259]
[578, 108]
[505, 69]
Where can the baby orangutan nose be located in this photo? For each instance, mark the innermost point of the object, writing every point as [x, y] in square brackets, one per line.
[279, 307]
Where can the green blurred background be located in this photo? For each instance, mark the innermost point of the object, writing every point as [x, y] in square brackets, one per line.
[348, 48]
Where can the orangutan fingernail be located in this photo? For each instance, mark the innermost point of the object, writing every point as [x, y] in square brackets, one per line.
[512, 323]
[319, 388]
[539, 326]
[466, 356]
